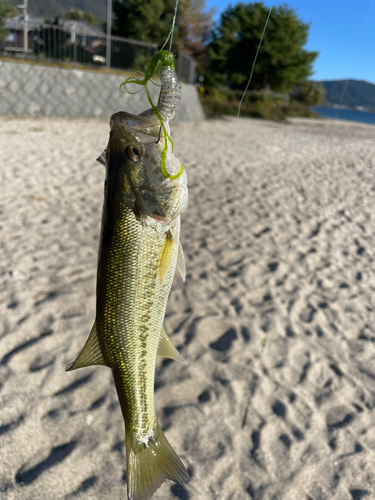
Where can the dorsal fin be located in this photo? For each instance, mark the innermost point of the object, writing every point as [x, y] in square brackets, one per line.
[91, 353]
[166, 349]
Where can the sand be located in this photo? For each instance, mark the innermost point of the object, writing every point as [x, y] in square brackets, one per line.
[276, 317]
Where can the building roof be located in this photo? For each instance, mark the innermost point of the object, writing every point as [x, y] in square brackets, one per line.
[81, 27]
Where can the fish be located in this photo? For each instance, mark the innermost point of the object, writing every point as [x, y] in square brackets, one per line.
[139, 252]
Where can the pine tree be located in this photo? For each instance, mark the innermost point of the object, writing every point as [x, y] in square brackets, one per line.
[282, 60]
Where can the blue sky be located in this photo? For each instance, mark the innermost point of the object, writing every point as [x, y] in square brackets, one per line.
[342, 31]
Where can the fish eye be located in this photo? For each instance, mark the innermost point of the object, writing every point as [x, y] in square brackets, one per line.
[134, 153]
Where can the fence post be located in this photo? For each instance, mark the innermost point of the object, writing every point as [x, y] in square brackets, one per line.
[109, 26]
[25, 33]
[192, 71]
[74, 42]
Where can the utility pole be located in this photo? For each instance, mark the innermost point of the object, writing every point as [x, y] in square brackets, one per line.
[25, 19]
[109, 26]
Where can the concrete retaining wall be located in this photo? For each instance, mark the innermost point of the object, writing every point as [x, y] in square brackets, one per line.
[36, 90]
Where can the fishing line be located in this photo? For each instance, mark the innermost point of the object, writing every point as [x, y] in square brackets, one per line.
[170, 48]
[346, 82]
[173, 24]
[170, 34]
[368, 12]
[166, 58]
[341, 98]
[255, 60]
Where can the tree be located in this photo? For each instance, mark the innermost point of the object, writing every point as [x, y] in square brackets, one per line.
[142, 20]
[80, 15]
[151, 21]
[194, 25]
[282, 61]
[5, 11]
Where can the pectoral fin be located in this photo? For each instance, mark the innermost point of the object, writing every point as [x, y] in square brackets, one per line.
[166, 349]
[166, 257]
[91, 353]
[181, 266]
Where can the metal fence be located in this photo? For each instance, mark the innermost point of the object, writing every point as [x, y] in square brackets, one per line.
[77, 46]
[185, 68]
[85, 45]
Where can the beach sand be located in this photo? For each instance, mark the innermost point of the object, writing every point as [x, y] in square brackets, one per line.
[276, 317]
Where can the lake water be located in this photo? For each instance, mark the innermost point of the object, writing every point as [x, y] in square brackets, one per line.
[346, 114]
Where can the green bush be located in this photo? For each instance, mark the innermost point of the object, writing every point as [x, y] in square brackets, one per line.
[309, 93]
[256, 104]
[298, 109]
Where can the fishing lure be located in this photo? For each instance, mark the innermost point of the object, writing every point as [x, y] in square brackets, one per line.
[168, 100]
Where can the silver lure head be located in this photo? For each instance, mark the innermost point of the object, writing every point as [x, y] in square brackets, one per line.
[134, 154]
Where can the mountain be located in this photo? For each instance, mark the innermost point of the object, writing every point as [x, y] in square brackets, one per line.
[52, 8]
[350, 93]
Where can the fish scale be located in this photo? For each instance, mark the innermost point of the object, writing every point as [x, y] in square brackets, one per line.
[143, 324]
[145, 192]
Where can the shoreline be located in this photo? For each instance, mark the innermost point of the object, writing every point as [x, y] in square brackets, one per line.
[323, 120]
[352, 115]
[293, 120]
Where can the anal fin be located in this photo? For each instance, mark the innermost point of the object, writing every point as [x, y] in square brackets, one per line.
[91, 353]
[166, 349]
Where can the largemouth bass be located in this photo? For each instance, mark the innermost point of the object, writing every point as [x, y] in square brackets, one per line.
[138, 255]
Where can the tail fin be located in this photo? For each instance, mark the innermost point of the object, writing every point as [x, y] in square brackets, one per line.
[149, 466]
